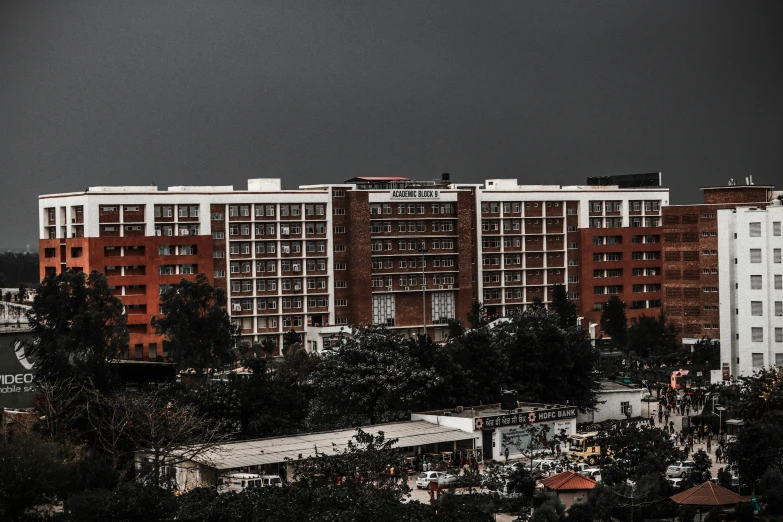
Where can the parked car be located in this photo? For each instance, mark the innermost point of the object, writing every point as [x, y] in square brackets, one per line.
[593, 473]
[681, 468]
[446, 479]
[579, 467]
[510, 468]
[676, 482]
[238, 482]
[425, 477]
[271, 481]
[504, 492]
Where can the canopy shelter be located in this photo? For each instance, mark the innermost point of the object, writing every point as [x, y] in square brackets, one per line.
[707, 495]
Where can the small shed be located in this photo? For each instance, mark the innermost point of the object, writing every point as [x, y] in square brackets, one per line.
[568, 486]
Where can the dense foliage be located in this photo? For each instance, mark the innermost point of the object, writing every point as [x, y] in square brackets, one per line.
[196, 324]
[77, 327]
[19, 268]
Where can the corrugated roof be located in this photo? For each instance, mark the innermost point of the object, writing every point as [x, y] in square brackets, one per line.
[272, 450]
[569, 480]
[707, 494]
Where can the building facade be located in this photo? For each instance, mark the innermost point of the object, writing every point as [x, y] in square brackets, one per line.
[395, 252]
[691, 292]
[751, 288]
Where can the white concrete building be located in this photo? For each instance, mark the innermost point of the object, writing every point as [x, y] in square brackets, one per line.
[751, 288]
[614, 400]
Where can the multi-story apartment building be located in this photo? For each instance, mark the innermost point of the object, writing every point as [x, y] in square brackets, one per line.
[384, 251]
[691, 294]
[751, 288]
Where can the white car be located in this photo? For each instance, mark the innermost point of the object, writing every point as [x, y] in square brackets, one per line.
[676, 482]
[593, 473]
[425, 477]
[508, 469]
[681, 468]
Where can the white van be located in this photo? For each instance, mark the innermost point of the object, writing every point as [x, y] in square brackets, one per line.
[238, 482]
[271, 481]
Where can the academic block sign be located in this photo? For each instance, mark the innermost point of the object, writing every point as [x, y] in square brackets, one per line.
[17, 389]
[416, 193]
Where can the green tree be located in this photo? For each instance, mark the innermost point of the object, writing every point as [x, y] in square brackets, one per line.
[77, 327]
[290, 338]
[650, 336]
[614, 323]
[548, 363]
[771, 487]
[3, 280]
[21, 294]
[32, 472]
[760, 437]
[563, 306]
[130, 502]
[480, 369]
[477, 317]
[706, 352]
[631, 452]
[371, 378]
[701, 469]
[196, 324]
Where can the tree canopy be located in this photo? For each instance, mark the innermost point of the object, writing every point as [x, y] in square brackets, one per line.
[564, 307]
[546, 362]
[77, 326]
[371, 378]
[614, 322]
[651, 336]
[196, 324]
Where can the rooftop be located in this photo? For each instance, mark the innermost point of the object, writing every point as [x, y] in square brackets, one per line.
[278, 449]
[569, 481]
[470, 412]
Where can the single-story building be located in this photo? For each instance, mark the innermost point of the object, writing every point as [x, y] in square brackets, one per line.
[273, 455]
[487, 423]
[614, 400]
[568, 486]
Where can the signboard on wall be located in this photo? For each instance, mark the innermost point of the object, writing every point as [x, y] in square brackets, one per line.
[415, 193]
[518, 419]
[17, 389]
[726, 371]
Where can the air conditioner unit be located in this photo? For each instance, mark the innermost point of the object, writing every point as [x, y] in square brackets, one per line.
[184, 232]
[296, 268]
[407, 288]
[440, 287]
[388, 288]
[450, 287]
[158, 233]
[73, 220]
[459, 409]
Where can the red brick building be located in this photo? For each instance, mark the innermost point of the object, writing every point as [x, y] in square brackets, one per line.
[384, 251]
[690, 255]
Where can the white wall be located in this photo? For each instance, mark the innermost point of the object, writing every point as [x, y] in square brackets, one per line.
[735, 270]
[609, 407]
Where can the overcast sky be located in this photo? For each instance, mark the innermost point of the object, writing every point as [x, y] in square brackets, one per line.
[197, 92]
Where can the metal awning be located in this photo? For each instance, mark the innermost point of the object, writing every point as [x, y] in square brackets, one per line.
[274, 450]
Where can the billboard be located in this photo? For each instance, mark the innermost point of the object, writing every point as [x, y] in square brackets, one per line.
[17, 389]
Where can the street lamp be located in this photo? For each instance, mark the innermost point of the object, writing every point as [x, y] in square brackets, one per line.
[422, 251]
[720, 409]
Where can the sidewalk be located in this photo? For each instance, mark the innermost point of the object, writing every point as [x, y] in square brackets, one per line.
[696, 445]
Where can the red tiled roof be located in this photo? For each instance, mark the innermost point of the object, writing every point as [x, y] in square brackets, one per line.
[569, 480]
[707, 494]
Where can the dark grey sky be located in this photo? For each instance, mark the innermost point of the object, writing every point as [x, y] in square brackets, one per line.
[197, 92]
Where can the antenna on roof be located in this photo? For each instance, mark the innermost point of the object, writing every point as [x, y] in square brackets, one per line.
[751, 179]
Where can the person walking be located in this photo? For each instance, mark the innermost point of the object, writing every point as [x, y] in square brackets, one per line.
[709, 445]
[660, 414]
[718, 454]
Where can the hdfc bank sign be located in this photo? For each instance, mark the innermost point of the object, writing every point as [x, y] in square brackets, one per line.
[416, 193]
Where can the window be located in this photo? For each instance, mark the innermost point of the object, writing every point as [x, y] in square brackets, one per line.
[778, 308]
[339, 230]
[778, 338]
[755, 282]
[756, 308]
[758, 360]
[339, 266]
[776, 228]
[755, 255]
[776, 255]
[337, 211]
[757, 334]
[779, 282]
[625, 408]
[755, 229]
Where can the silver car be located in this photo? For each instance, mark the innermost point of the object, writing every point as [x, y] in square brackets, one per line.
[681, 468]
[425, 477]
